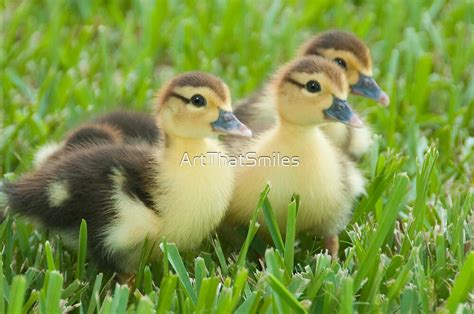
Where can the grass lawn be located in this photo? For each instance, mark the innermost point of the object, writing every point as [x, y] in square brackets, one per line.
[409, 247]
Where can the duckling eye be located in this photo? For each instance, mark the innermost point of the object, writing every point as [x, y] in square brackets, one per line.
[341, 63]
[313, 87]
[198, 100]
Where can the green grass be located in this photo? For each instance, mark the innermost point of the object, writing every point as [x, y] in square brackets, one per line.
[409, 247]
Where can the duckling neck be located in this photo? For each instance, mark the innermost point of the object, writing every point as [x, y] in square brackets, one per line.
[185, 144]
[176, 151]
[196, 189]
[292, 129]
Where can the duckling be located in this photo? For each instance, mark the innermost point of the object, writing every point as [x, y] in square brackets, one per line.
[353, 56]
[306, 93]
[128, 192]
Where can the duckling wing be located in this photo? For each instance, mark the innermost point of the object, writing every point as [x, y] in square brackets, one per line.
[134, 126]
[81, 185]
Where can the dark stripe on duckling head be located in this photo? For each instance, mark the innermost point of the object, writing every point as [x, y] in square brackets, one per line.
[196, 79]
[315, 64]
[294, 82]
[338, 40]
[180, 97]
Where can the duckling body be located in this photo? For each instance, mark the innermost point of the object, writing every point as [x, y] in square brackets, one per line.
[305, 94]
[129, 192]
[326, 195]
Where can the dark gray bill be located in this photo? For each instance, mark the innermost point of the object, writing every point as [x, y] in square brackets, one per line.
[342, 112]
[229, 124]
[368, 87]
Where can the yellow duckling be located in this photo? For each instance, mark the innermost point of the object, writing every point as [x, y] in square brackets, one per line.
[306, 94]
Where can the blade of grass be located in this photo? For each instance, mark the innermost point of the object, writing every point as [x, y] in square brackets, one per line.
[53, 293]
[33, 299]
[144, 257]
[289, 254]
[145, 306]
[49, 256]
[17, 295]
[250, 305]
[120, 299]
[95, 295]
[346, 298]
[272, 225]
[168, 286]
[207, 294]
[2, 286]
[253, 227]
[463, 284]
[385, 226]
[238, 287]
[422, 185]
[106, 306]
[177, 263]
[82, 251]
[147, 280]
[284, 294]
[220, 255]
[200, 271]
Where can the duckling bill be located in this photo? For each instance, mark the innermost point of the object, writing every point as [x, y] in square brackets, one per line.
[128, 192]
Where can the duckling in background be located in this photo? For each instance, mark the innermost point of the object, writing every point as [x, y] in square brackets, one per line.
[127, 192]
[306, 93]
[353, 56]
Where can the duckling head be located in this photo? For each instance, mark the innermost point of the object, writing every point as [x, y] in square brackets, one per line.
[197, 105]
[353, 56]
[312, 90]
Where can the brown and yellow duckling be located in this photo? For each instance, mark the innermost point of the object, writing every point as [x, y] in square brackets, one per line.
[128, 192]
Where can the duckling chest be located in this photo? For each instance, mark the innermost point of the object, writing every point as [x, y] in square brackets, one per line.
[317, 178]
[194, 198]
